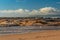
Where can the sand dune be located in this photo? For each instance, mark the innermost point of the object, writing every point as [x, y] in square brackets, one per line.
[43, 35]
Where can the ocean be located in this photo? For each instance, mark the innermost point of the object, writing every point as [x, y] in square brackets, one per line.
[24, 29]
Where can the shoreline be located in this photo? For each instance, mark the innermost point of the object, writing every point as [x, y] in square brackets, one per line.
[43, 35]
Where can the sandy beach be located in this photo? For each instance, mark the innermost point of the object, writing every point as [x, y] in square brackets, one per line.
[42, 35]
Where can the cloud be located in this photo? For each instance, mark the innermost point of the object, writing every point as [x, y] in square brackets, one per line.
[19, 11]
[14, 13]
[26, 12]
[34, 12]
[47, 10]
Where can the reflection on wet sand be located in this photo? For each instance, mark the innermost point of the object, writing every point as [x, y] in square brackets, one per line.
[42, 35]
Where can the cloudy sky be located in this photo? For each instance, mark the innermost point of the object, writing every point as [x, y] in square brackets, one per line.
[23, 8]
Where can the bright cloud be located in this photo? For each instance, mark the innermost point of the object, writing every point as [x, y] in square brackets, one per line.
[25, 12]
[47, 10]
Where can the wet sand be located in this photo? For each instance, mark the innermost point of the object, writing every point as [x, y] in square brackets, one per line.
[42, 35]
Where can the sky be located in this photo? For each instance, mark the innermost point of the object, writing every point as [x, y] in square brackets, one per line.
[21, 8]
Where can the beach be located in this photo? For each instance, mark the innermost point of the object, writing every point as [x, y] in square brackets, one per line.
[40, 35]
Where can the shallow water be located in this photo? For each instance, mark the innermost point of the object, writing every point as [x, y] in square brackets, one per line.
[20, 29]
